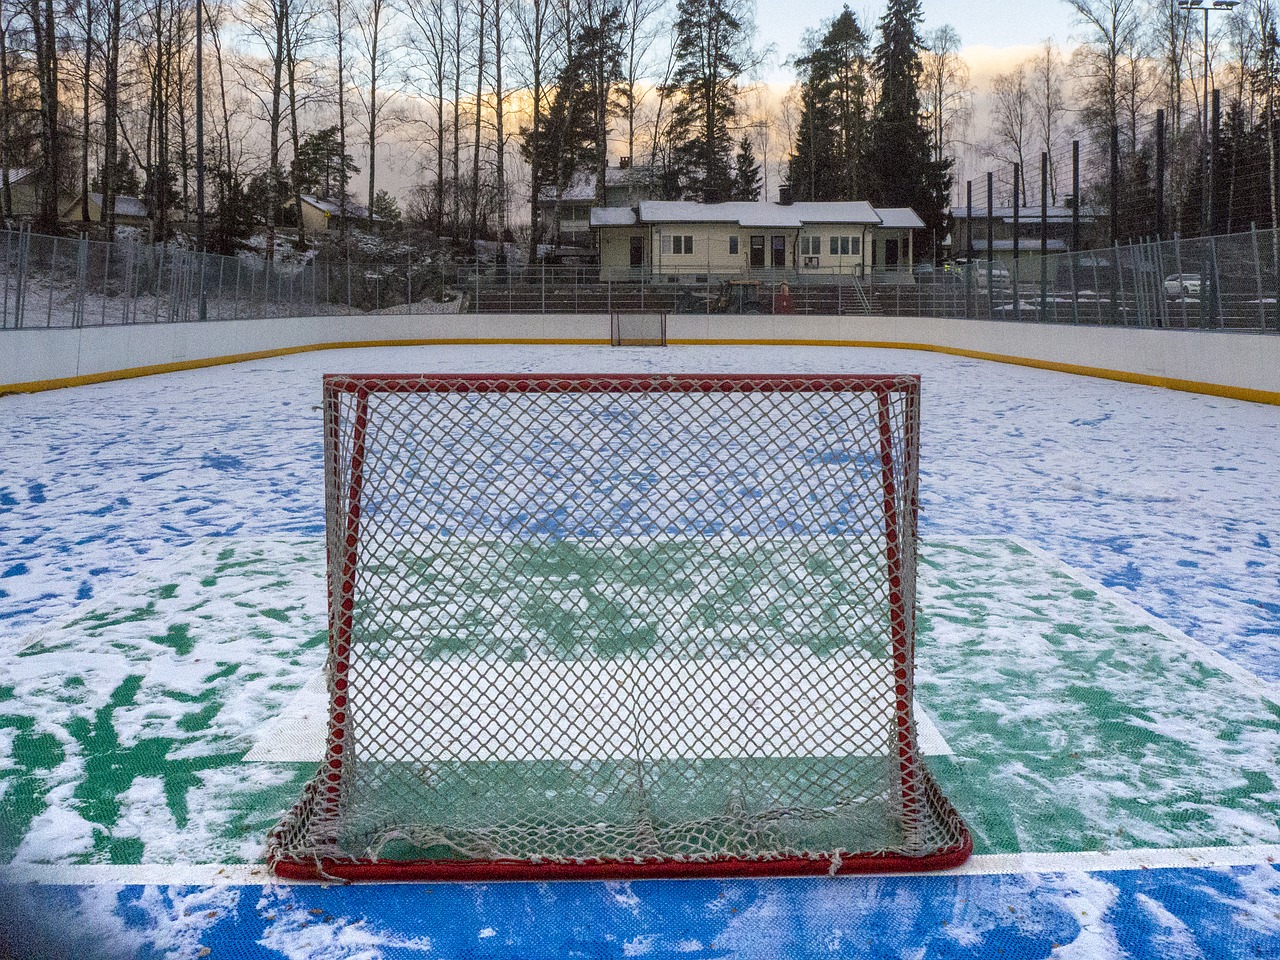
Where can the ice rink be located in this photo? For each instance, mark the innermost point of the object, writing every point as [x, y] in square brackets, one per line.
[1098, 677]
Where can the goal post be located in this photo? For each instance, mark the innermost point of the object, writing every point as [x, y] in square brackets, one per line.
[638, 328]
[620, 626]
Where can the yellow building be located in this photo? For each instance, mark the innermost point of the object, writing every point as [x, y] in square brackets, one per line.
[24, 191]
[320, 214]
[681, 240]
[130, 211]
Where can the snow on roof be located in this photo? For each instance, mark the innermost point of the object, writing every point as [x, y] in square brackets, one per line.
[125, 206]
[613, 217]
[582, 186]
[18, 174]
[754, 214]
[334, 208]
[901, 218]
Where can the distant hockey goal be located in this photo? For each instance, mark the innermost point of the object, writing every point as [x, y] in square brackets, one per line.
[620, 626]
[638, 329]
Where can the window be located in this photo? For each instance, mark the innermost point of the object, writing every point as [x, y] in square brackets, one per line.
[681, 243]
[843, 246]
[733, 246]
[810, 246]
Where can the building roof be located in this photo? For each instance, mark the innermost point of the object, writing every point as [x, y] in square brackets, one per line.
[613, 216]
[582, 186]
[125, 206]
[754, 214]
[903, 218]
[334, 208]
[19, 174]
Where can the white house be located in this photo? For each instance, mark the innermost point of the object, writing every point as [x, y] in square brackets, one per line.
[679, 240]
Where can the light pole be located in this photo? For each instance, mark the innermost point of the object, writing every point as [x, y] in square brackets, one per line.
[1206, 161]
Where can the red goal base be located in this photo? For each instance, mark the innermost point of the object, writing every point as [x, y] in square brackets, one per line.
[402, 871]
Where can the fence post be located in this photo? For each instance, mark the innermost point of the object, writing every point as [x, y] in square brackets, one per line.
[82, 279]
[1217, 283]
[1257, 275]
[53, 275]
[1117, 285]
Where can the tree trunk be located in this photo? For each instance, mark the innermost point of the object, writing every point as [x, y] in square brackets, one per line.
[499, 166]
[295, 140]
[111, 105]
[474, 212]
[273, 132]
[342, 128]
[6, 193]
[375, 28]
[84, 124]
[535, 132]
[46, 51]
[457, 114]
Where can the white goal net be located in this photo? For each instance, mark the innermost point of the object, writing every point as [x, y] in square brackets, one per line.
[615, 625]
[638, 329]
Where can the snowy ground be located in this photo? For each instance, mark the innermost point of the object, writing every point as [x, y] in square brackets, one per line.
[1100, 600]
[1169, 498]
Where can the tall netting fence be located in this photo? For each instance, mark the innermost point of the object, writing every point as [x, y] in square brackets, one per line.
[59, 282]
[1224, 282]
[611, 625]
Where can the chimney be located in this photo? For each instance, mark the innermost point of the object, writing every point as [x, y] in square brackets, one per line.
[784, 195]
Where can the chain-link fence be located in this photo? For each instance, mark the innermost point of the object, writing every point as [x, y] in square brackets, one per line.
[1223, 282]
[1226, 282]
[77, 282]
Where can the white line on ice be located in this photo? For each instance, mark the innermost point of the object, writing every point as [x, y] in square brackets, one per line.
[244, 874]
[1201, 651]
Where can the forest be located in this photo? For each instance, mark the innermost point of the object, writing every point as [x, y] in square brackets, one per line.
[456, 116]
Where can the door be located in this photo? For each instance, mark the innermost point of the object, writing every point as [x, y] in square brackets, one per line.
[777, 251]
[757, 251]
[637, 251]
[890, 252]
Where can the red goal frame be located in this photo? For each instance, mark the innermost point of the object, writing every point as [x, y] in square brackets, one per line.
[918, 788]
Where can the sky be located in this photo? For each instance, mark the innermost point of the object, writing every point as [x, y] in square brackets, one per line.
[980, 23]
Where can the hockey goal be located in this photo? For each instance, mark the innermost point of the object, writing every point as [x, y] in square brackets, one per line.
[620, 626]
[638, 329]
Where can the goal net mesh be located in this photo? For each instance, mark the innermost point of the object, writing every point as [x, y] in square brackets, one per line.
[617, 622]
[638, 329]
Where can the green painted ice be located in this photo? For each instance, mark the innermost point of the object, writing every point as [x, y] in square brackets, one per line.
[1076, 725]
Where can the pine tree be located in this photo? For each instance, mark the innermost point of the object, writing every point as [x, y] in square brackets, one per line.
[711, 50]
[574, 134]
[834, 104]
[901, 169]
[746, 173]
[320, 168]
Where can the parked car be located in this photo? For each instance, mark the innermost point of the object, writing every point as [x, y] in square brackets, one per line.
[997, 273]
[1182, 285]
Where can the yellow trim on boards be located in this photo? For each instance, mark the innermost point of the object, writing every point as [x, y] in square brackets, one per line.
[1171, 383]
